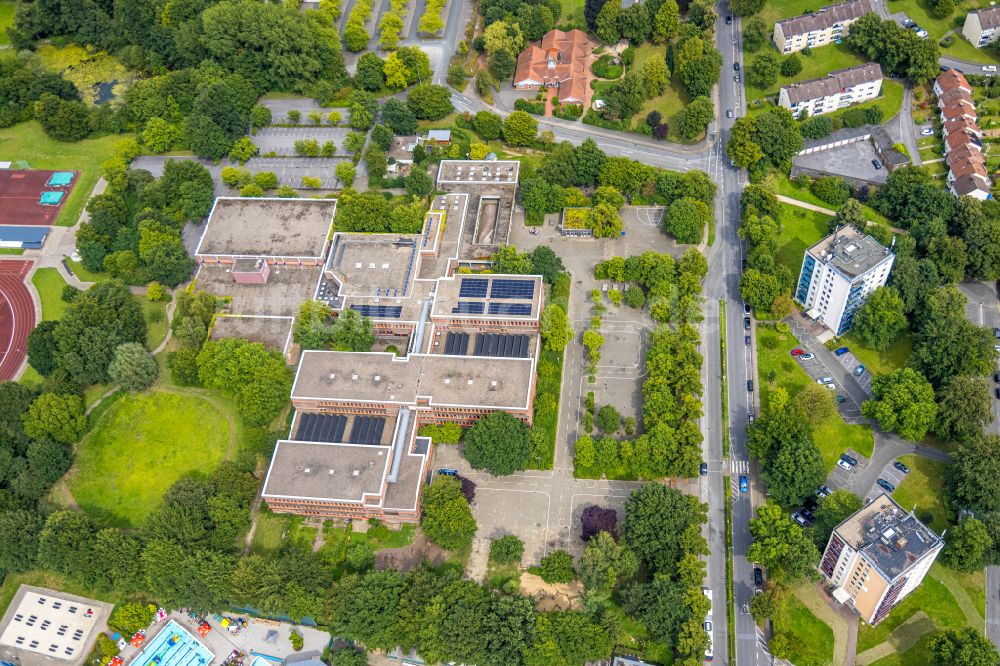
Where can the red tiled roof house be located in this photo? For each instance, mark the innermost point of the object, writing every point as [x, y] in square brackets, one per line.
[560, 60]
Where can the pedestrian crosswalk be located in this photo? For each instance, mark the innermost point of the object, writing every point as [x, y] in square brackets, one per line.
[739, 466]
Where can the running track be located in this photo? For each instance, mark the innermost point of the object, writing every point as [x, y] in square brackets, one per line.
[17, 316]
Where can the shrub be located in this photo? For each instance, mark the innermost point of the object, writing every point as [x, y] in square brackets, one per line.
[69, 293]
[507, 549]
[442, 433]
[557, 567]
[609, 419]
[831, 189]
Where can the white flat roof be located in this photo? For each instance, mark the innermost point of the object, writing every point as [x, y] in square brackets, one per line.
[52, 626]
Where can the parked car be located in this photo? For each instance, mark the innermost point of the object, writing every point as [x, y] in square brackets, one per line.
[989, 68]
[703, 469]
[797, 352]
[885, 485]
[447, 471]
[758, 576]
[998, 394]
[944, 68]
[996, 377]
[850, 460]
[830, 387]
[927, 131]
[746, 308]
[996, 333]
[807, 514]
[736, 77]
[736, 66]
[840, 351]
[729, 114]
[744, 486]
[810, 504]
[823, 491]
[901, 467]
[750, 385]
[746, 323]
[876, 164]
[841, 399]
[825, 380]
[746, 340]
[797, 517]
[807, 357]
[843, 464]
[729, 20]
[858, 371]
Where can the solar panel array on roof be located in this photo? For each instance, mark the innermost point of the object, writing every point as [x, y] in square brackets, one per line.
[512, 289]
[456, 344]
[501, 346]
[473, 288]
[367, 430]
[468, 307]
[321, 428]
[510, 308]
[379, 311]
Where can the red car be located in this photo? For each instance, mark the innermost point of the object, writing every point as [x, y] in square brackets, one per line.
[798, 352]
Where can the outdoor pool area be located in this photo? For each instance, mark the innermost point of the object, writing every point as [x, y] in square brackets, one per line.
[173, 646]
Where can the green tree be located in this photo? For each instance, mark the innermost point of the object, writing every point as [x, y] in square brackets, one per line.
[419, 183]
[20, 554]
[352, 332]
[815, 403]
[429, 101]
[605, 221]
[965, 409]
[59, 416]
[348, 657]
[666, 21]
[763, 71]
[565, 638]
[693, 119]
[260, 116]
[792, 466]
[346, 173]
[973, 473]
[961, 647]
[604, 563]
[764, 606]
[546, 263]
[903, 402]
[555, 328]
[557, 567]
[791, 66]
[781, 545]
[398, 117]
[487, 124]
[608, 419]
[606, 25]
[520, 129]
[967, 545]
[133, 368]
[43, 347]
[257, 379]
[131, 617]
[755, 34]
[881, 319]
[945, 343]
[446, 517]
[498, 443]
[833, 509]
[657, 520]
[759, 289]
[312, 328]
[742, 149]
[243, 150]
[508, 549]
[159, 135]
[685, 219]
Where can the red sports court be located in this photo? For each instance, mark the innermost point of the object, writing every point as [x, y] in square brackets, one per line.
[34, 197]
[17, 316]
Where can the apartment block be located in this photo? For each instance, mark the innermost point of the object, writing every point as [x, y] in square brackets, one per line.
[824, 26]
[837, 90]
[981, 26]
[877, 557]
[838, 273]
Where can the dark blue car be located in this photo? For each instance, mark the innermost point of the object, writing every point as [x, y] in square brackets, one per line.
[743, 483]
[841, 351]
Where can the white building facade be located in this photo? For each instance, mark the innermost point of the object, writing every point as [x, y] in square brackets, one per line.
[837, 90]
[838, 274]
[818, 28]
[982, 26]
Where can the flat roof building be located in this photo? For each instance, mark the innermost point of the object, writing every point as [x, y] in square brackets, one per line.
[878, 556]
[838, 273]
[44, 627]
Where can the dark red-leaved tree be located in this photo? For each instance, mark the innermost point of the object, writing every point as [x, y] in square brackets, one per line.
[596, 519]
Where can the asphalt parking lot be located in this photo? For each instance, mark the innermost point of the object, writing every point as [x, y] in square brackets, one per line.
[850, 361]
[853, 160]
[849, 409]
[290, 171]
[281, 140]
[890, 474]
[840, 478]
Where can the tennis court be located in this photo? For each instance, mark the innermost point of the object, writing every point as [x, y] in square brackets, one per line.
[33, 197]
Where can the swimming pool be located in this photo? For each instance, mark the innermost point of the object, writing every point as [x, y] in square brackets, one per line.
[173, 646]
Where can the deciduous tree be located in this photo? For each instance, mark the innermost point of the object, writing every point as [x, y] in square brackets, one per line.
[498, 443]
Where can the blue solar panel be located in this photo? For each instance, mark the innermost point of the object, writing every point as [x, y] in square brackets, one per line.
[379, 311]
[473, 288]
[468, 307]
[513, 289]
[510, 308]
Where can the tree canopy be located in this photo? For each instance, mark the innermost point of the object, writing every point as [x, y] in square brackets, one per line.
[498, 443]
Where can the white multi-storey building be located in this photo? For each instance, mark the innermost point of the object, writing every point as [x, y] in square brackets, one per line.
[818, 28]
[837, 90]
[982, 26]
[838, 273]
[877, 557]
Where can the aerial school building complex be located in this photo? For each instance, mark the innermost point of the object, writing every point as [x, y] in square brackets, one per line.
[467, 344]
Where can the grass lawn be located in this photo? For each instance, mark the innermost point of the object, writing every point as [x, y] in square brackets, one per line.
[7, 8]
[923, 488]
[800, 228]
[572, 12]
[891, 100]
[832, 435]
[811, 638]
[784, 186]
[27, 141]
[156, 322]
[823, 60]
[139, 447]
[935, 168]
[893, 358]
[934, 599]
[919, 11]
[93, 392]
[671, 102]
[49, 285]
[83, 275]
[268, 532]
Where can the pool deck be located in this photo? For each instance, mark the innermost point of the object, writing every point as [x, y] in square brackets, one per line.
[249, 640]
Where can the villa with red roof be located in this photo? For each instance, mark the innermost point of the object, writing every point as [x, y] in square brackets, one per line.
[560, 60]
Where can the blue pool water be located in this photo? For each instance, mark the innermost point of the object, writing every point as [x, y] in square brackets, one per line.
[173, 646]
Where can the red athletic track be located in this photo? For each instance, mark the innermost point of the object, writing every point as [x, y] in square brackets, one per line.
[17, 316]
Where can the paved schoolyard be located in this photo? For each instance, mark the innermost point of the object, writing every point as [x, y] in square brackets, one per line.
[281, 140]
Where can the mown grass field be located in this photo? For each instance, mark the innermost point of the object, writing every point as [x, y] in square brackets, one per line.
[49, 285]
[800, 228]
[811, 638]
[139, 447]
